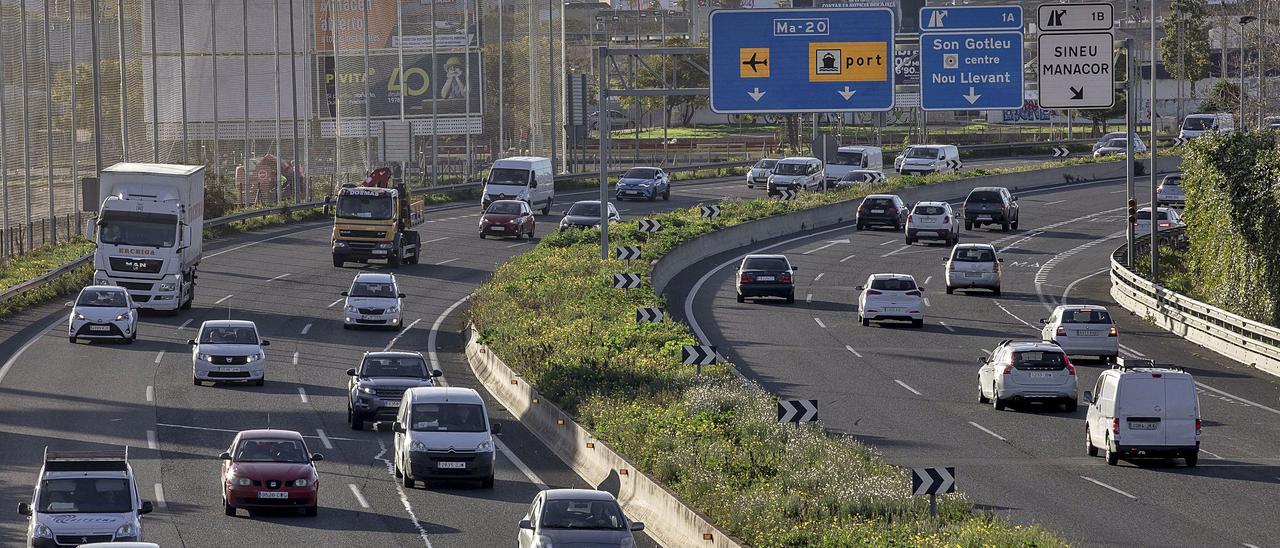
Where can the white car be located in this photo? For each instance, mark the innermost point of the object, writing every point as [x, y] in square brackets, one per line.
[891, 297]
[759, 173]
[1166, 216]
[103, 312]
[1170, 191]
[1118, 146]
[373, 300]
[799, 174]
[1085, 330]
[932, 221]
[228, 351]
[575, 517]
[1023, 372]
[929, 159]
[1138, 410]
[1271, 122]
[1102, 141]
[973, 266]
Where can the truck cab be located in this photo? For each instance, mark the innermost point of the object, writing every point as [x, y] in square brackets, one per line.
[372, 222]
[84, 497]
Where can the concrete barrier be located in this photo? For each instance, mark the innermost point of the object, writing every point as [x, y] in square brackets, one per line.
[666, 518]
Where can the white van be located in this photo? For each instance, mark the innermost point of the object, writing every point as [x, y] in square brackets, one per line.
[799, 173]
[1139, 410]
[1195, 125]
[850, 158]
[929, 159]
[525, 178]
[443, 433]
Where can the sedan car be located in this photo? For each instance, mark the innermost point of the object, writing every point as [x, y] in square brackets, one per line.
[575, 517]
[891, 297]
[882, 210]
[644, 182]
[375, 388]
[759, 173]
[766, 276]
[973, 266]
[507, 218]
[103, 312]
[1083, 330]
[586, 214]
[373, 300]
[1170, 191]
[228, 351]
[1027, 372]
[932, 220]
[270, 469]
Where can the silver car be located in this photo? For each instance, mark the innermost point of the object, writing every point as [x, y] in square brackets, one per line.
[759, 173]
[973, 266]
[103, 312]
[228, 351]
[576, 517]
[1025, 372]
[1083, 330]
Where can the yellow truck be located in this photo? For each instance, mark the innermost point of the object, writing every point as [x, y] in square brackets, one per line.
[374, 222]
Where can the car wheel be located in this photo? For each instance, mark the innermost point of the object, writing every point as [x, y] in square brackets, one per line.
[546, 209]
[1014, 224]
[1112, 457]
[487, 483]
[311, 511]
[996, 402]
[1004, 226]
[996, 291]
[261, 381]
[1192, 459]
[653, 196]
[951, 290]
[1112, 359]
[346, 326]
[228, 509]
[897, 226]
[741, 299]
[791, 298]
[917, 323]
[72, 339]
[355, 421]
[128, 340]
[407, 481]
[195, 381]
[482, 236]
[982, 398]
[968, 225]
[666, 194]
[909, 240]
[338, 262]
[857, 227]
[865, 322]
[1070, 406]
[1088, 444]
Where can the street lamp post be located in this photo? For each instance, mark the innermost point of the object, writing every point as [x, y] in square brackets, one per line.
[1244, 20]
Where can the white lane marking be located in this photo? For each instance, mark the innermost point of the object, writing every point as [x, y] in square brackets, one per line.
[151, 393]
[846, 258]
[242, 246]
[855, 352]
[1012, 315]
[14, 359]
[285, 275]
[1054, 202]
[1067, 292]
[306, 328]
[1247, 545]
[1237, 398]
[435, 330]
[1212, 455]
[1042, 274]
[160, 502]
[819, 276]
[887, 243]
[519, 464]
[984, 429]
[820, 324]
[184, 324]
[436, 240]
[359, 497]
[228, 430]
[406, 329]
[910, 389]
[335, 302]
[404, 499]
[1118, 191]
[447, 261]
[324, 439]
[949, 328]
[926, 301]
[160, 356]
[517, 244]
[151, 440]
[808, 297]
[1132, 351]
[903, 248]
[302, 393]
[295, 358]
[1096, 482]
[222, 300]
[927, 279]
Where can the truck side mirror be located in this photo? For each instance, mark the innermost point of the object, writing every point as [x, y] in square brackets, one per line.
[533, 183]
[1088, 397]
[351, 372]
[400, 295]
[265, 342]
[437, 373]
[982, 360]
[191, 342]
[24, 508]
[524, 524]
[146, 508]
[1044, 321]
[317, 457]
[224, 456]
[496, 428]
[344, 294]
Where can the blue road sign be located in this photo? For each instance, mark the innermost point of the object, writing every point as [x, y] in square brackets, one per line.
[971, 71]
[798, 60]
[953, 18]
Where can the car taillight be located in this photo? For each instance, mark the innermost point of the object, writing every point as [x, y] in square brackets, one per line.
[1197, 426]
[1062, 331]
[1008, 368]
[995, 267]
[964, 204]
[862, 209]
[872, 292]
[893, 210]
[785, 278]
[913, 293]
[1166, 225]
[909, 215]
[744, 279]
[946, 219]
[1113, 332]
[951, 266]
[1115, 425]
[1071, 369]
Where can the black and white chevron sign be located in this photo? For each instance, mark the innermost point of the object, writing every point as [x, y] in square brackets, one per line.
[1061, 152]
[933, 481]
[648, 315]
[650, 225]
[709, 211]
[1179, 141]
[787, 194]
[797, 411]
[879, 178]
[953, 164]
[626, 280]
[627, 252]
[698, 354]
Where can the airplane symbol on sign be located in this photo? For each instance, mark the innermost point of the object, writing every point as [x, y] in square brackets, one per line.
[1055, 18]
[752, 62]
[935, 19]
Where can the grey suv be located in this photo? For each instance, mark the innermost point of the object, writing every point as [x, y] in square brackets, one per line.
[375, 388]
[991, 205]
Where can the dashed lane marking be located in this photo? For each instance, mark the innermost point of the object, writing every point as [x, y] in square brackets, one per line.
[160, 502]
[160, 356]
[1096, 482]
[359, 497]
[224, 299]
[306, 328]
[855, 352]
[447, 261]
[184, 324]
[947, 327]
[984, 429]
[909, 389]
[151, 393]
[335, 302]
[819, 276]
[152, 444]
[847, 258]
[406, 329]
[280, 277]
[302, 394]
[808, 297]
[820, 324]
[324, 439]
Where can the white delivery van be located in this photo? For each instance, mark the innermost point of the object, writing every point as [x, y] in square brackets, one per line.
[443, 433]
[1195, 125]
[851, 158]
[1140, 410]
[525, 178]
[799, 173]
[930, 159]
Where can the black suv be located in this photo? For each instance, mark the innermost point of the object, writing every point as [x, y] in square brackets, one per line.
[882, 210]
[375, 388]
[991, 205]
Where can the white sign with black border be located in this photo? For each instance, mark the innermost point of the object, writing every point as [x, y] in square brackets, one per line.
[1075, 17]
[1076, 70]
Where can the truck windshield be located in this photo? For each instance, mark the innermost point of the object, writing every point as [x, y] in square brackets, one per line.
[141, 229]
[846, 159]
[922, 152]
[508, 176]
[790, 168]
[89, 495]
[379, 207]
[1197, 123]
[447, 417]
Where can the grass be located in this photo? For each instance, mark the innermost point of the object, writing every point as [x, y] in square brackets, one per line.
[31, 265]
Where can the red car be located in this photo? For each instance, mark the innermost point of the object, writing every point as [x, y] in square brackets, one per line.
[266, 469]
[507, 218]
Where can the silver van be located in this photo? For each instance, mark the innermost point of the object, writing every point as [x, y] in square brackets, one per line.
[930, 159]
[799, 173]
[852, 158]
[443, 433]
[525, 178]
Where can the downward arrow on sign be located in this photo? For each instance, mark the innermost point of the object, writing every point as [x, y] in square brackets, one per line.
[846, 93]
[971, 97]
[756, 94]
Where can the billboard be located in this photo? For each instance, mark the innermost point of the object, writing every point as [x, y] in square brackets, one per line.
[448, 82]
[453, 27]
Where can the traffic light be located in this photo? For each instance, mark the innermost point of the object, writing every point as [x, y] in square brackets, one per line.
[1133, 211]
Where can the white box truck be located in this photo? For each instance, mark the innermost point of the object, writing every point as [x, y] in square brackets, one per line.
[150, 232]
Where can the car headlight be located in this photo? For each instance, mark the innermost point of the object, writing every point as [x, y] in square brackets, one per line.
[202, 357]
[393, 310]
[484, 446]
[303, 482]
[367, 390]
[79, 316]
[384, 245]
[254, 357]
[127, 530]
[169, 286]
[42, 531]
[542, 541]
[351, 309]
[339, 243]
[243, 482]
[417, 446]
[564, 223]
[122, 317]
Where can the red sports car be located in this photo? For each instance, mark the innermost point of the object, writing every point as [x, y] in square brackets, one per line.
[270, 469]
[507, 218]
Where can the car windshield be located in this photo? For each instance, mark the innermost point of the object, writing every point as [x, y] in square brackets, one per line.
[766, 164]
[582, 514]
[974, 255]
[394, 366]
[929, 210]
[112, 298]
[229, 335]
[447, 417]
[509, 176]
[1197, 123]
[504, 208]
[922, 152]
[88, 495]
[375, 290]
[846, 159]
[765, 263]
[1038, 359]
[790, 168]
[640, 173]
[878, 202]
[1171, 181]
[1086, 316]
[142, 229]
[365, 206]
[271, 450]
[893, 284]
[985, 197]
[1117, 143]
[584, 209]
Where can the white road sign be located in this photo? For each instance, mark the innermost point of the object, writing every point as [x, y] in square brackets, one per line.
[1075, 17]
[1076, 70]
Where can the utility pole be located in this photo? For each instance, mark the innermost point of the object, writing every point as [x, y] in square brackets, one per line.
[1132, 134]
[603, 124]
[1244, 20]
[1155, 209]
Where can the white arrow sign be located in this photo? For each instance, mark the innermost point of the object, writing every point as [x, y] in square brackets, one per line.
[824, 246]
[797, 411]
[972, 97]
[846, 93]
[756, 94]
[933, 481]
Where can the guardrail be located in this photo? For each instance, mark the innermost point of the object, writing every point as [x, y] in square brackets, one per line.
[1251, 343]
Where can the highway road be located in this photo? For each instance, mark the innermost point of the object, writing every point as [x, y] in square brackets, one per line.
[912, 393]
[77, 397]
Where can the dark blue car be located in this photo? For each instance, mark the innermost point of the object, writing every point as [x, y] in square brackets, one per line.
[647, 183]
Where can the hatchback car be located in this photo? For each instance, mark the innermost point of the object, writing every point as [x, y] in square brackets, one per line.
[760, 172]
[649, 183]
[575, 517]
[103, 312]
[375, 388]
[1085, 330]
[586, 214]
[1118, 146]
[766, 276]
[882, 210]
[508, 218]
[270, 469]
[991, 205]
[1167, 218]
[932, 221]
[228, 351]
[891, 297]
[973, 266]
[373, 300]
[1023, 372]
[1170, 191]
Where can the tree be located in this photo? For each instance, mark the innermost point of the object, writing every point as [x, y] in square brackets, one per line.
[1184, 49]
[1224, 97]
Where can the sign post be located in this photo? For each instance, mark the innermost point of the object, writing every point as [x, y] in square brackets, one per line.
[971, 58]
